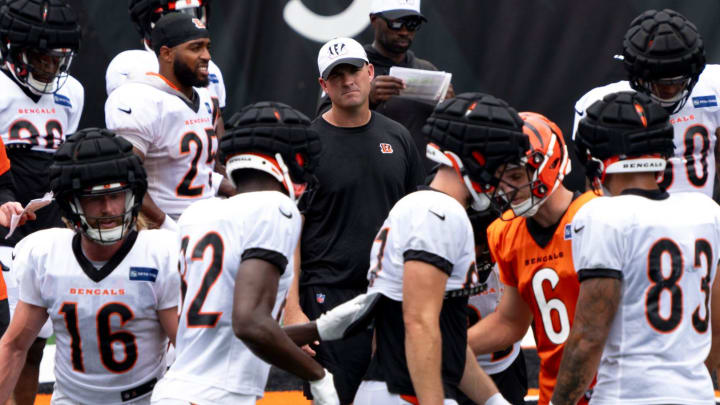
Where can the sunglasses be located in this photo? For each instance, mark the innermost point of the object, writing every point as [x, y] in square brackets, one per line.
[410, 23]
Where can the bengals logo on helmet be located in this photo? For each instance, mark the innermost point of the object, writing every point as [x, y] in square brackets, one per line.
[386, 148]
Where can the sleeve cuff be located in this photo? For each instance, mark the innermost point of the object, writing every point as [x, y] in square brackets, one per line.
[136, 141]
[271, 256]
[586, 274]
[429, 258]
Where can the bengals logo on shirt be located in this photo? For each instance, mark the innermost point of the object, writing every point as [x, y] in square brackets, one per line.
[386, 148]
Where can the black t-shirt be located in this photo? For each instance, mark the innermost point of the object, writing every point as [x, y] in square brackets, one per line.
[410, 112]
[362, 173]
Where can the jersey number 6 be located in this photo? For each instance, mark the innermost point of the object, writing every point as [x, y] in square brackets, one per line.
[546, 306]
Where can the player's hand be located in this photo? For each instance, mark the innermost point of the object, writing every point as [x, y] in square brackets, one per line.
[384, 87]
[297, 316]
[347, 318]
[450, 92]
[11, 208]
[323, 391]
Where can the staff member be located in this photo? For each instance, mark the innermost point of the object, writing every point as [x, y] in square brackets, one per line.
[395, 24]
[368, 163]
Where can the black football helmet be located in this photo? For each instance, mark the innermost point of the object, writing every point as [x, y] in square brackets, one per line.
[91, 163]
[475, 133]
[145, 13]
[663, 48]
[38, 39]
[274, 138]
[625, 132]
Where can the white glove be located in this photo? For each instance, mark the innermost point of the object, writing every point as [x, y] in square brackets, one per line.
[169, 224]
[323, 391]
[336, 323]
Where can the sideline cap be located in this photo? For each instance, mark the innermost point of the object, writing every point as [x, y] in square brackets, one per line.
[394, 9]
[174, 29]
[340, 51]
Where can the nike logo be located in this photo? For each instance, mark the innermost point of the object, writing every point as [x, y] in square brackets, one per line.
[579, 229]
[580, 113]
[442, 218]
[285, 214]
[128, 111]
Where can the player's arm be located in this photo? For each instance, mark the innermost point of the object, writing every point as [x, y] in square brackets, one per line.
[476, 384]
[423, 294]
[713, 360]
[256, 287]
[169, 321]
[26, 324]
[148, 207]
[597, 304]
[293, 312]
[502, 328]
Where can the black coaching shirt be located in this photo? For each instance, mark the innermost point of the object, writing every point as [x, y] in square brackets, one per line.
[363, 171]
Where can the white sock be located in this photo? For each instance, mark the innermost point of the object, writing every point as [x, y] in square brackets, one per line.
[497, 399]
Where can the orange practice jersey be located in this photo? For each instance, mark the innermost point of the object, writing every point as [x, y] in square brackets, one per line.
[546, 280]
[3, 288]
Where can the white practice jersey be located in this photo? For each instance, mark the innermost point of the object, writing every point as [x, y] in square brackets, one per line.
[176, 136]
[482, 305]
[693, 166]
[211, 363]
[428, 226]
[134, 61]
[110, 346]
[665, 248]
[41, 122]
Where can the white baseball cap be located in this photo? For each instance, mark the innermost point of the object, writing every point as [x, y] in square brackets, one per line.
[394, 9]
[339, 51]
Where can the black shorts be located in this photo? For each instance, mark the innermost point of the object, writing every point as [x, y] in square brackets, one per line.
[4, 316]
[346, 359]
[511, 382]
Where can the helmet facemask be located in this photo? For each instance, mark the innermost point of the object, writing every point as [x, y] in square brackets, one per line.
[41, 71]
[671, 104]
[544, 167]
[97, 228]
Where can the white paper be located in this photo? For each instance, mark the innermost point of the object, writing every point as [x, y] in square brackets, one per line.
[423, 84]
[32, 206]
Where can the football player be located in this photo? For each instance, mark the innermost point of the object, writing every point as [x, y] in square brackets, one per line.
[665, 59]
[423, 263]
[648, 280]
[531, 245]
[40, 103]
[144, 15]
[242, 247]
[110, 289]
[506, 367]
[170, 118]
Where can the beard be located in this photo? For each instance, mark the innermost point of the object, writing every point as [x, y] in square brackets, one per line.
[187, 76]
[392, 46]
